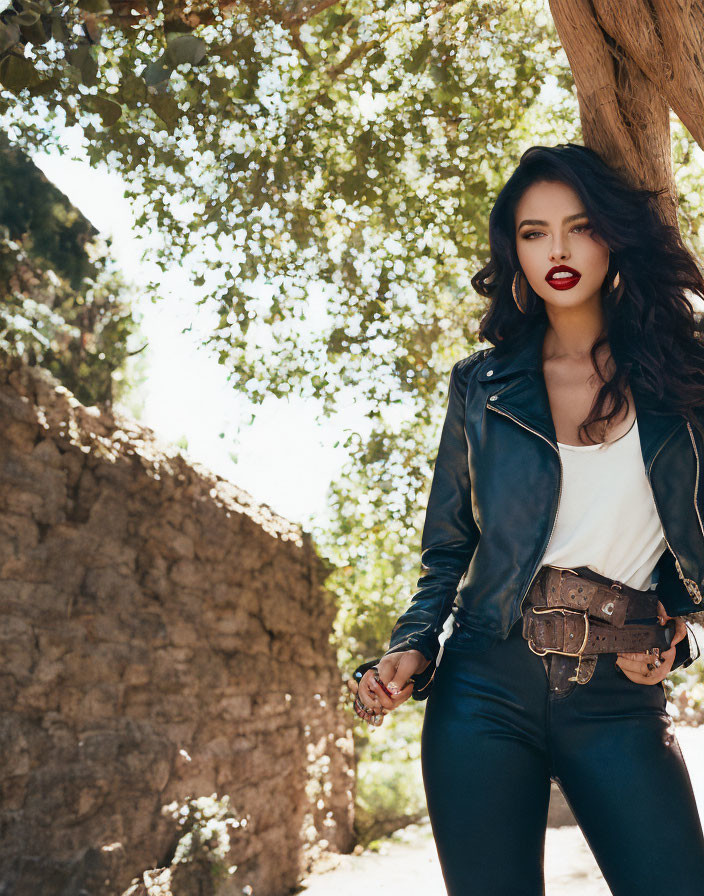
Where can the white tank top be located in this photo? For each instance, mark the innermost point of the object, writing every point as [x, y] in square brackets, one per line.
[607, 519]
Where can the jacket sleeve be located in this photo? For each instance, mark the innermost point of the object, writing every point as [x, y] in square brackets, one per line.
[449, 536]
[683, 650]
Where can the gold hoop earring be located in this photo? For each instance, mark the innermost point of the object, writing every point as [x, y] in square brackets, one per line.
[617, 288]
[514, 290]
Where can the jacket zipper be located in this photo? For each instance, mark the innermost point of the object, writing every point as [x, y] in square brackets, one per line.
[696, 481]
[427, 684]
[559, 495]
[689, 584]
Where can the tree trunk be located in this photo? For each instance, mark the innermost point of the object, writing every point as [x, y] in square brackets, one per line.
[632, 62]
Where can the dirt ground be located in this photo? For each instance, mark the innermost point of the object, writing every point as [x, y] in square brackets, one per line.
[407, 863]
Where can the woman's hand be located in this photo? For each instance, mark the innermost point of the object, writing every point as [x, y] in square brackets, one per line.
[395, 670]
[635, 665]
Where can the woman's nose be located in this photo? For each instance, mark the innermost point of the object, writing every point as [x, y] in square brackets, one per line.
[557, 253]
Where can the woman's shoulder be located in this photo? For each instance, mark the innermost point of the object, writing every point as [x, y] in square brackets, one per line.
[465, 366]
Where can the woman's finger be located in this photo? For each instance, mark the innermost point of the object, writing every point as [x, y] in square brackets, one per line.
[376, 693]
[639, 668]
[662, 611]
[643, 676]
[646, 668]
[650, 669]
[408, 665]
[389, 700]
[370, 696]
[367, 711]
[680, 626]
[643, 662]
[372, 699]
[367, 715]
[395, 670]
[638, 662]
[680, 630]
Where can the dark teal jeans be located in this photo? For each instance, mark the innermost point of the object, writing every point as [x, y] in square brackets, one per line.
[493, 738]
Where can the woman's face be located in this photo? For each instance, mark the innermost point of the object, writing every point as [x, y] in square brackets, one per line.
[558, 233]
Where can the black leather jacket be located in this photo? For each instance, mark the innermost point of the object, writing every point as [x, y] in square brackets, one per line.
[495, 492]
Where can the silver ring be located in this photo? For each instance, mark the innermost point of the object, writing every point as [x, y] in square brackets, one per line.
[362, 706]
[369, 716]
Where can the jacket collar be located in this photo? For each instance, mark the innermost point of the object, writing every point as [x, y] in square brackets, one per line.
[528, 358]
[521, 393]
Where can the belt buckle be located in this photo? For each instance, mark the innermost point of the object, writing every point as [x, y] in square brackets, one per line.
[564, 611]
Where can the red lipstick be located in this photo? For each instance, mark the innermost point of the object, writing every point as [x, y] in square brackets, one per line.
[562, 282]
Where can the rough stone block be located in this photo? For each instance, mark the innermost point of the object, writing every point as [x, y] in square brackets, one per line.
[152, 614]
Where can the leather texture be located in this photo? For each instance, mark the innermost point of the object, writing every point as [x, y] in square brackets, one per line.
[494, 736]
[495, 491]
[579, 611]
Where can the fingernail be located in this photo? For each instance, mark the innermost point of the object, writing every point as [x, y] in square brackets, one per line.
[393, 687]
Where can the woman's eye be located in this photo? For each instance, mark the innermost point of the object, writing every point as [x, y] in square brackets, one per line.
[527, 236]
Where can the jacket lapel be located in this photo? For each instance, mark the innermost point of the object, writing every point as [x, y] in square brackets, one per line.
[517, 383]
[654, 428]
[521, 393]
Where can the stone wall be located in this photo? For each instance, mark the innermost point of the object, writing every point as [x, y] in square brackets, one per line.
[163, 637]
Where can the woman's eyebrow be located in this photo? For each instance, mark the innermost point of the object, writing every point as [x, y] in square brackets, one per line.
[545, 223]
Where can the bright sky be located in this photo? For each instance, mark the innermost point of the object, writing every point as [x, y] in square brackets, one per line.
[284, 459]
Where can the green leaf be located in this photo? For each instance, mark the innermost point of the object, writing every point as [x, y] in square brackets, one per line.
[17, 72]
[158, 71]
[183, 48]
[59, 29]
[82, 58]
[166, 108]
[108, 109]
[218, 87]
[45, 86]
[26, 18]
[9, 35]
[36, 34]
[73, 74]
[418, 58]
[78, 55]
[89, 72]
[132, 89]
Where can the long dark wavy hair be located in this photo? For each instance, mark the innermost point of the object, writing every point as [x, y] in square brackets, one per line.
[651, 328]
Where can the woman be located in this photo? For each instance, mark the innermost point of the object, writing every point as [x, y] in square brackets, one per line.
[564, 535]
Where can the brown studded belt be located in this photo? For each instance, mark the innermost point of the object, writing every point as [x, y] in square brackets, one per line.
[572, 615]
